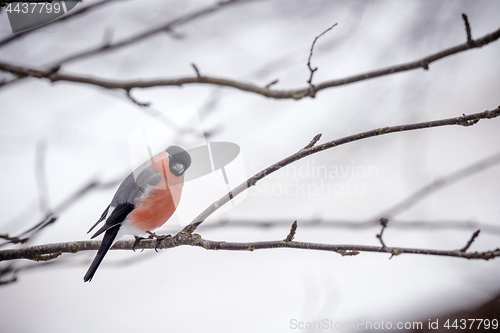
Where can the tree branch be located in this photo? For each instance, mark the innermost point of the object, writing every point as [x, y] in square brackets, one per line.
[312, 70]
[13, 240]
[52, 216]
[462, 121]
[34, 252]
[248, 87]
[166, 27]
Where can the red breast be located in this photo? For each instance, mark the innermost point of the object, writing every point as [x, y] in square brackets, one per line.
[160, 201]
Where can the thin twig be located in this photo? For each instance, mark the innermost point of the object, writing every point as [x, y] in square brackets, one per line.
[291, 235]
[471, 240]
[52, 217]
[312, 70]
[196, 70]
[383, 223]
[48, 220]
[313, 142]
[14, 240]
[28, 234]
[141, 104]
[467, 29]
[272, 83]
[166, 27]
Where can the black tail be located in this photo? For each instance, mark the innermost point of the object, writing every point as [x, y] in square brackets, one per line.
[107, 241]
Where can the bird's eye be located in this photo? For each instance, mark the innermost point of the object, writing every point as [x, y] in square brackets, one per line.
[177, 168]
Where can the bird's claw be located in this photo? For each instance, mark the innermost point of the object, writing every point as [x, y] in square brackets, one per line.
[159, 239]
[137, 240]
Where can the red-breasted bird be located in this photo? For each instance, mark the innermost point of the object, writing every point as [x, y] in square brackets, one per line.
[143, 203]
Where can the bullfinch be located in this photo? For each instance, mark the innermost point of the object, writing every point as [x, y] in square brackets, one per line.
[143, 203]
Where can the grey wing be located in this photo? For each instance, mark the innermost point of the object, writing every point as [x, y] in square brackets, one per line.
[130, 189]
[135, 185]
[117, 216]
[103, 216]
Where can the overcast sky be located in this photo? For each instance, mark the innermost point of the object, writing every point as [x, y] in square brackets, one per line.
[87, 131]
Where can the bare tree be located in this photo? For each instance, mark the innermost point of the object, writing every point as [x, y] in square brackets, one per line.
[72, 69]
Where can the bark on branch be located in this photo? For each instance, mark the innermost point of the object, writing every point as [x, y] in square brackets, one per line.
[55, 75]
[50, 251]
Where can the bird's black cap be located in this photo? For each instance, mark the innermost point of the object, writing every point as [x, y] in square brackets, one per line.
[178, 155]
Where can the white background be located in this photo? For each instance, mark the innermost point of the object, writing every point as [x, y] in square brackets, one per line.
[86, 130]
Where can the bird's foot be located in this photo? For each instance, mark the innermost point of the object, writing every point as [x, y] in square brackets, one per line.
[159, 238]
[137, 240]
